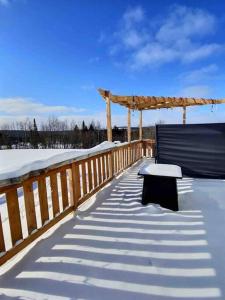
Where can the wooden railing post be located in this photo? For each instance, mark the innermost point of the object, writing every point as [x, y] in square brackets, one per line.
[29, 206]
[14, 215]
[95, 172]
[144, 148]
[43, 201]
[2, 242]
[54, 193]
[111, 157]
[76, 183]
[64, 189]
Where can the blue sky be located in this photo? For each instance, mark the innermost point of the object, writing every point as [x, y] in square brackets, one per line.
[55, 54]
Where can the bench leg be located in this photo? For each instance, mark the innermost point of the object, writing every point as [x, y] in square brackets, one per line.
[160, 190]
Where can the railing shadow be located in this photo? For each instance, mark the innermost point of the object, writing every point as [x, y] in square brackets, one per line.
[118, 248]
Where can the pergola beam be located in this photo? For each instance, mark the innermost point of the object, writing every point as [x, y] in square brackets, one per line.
[148, 103]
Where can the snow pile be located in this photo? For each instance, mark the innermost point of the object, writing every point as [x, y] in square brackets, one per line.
[18, 162]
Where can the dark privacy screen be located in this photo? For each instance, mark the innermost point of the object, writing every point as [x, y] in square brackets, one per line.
[199, 149]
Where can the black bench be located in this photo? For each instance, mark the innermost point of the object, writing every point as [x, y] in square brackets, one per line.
[160, 185]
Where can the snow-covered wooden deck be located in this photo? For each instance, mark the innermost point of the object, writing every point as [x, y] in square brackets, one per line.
[114, 248]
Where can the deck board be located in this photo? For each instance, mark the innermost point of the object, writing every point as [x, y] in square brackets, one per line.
[116, 248]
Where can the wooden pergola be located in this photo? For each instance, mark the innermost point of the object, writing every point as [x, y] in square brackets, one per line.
[141, 103]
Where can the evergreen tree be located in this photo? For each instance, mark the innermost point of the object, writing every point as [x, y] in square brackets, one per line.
[34, 135]
[84, 126]
[35, 126]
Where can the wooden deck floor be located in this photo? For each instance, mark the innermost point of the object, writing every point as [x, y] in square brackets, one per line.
[117, 249]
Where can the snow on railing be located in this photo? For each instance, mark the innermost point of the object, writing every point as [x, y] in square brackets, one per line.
[37, 200]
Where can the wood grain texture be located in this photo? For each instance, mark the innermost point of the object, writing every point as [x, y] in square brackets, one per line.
[43, 201]
[90, 185]
[14, 216]
[64, 189]
[99, 171]
[103, 167]
[2, 242]
[76, 182]
[84, 178]
[54, 194]
[95, 172]
[29, 206]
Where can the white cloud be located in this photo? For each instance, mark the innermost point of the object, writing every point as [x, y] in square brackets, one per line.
[201, 52]
[133, 15]
[131, 32]
[203, 73]
[179, 36]
[25, 106]
[4, 2]
[197, 91]
[183, 22]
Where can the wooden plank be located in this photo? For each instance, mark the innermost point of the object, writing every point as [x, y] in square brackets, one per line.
[112, 167]
[103, 167]
[95, 172]
[108, 165]
[2, 242]
[124, 164]
[90, 185]
[99, 171]
[84, 179]
[64, 188]
[43, 200]
[71, 188]
[54, 193]
[14, 216]
[76, 183]
[29, 206]
[119, 159]
[116, 161]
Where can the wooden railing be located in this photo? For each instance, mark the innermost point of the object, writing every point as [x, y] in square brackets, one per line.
[35, 203]
[148, 148]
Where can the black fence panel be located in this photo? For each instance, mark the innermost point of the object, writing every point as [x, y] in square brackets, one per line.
[199, 149]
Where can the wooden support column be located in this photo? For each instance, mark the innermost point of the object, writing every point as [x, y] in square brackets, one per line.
[108, 114]
[140, 125]
[184, 115]
[128, 126]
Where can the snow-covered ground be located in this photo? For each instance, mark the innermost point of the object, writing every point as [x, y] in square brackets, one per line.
[114, 248]
[18, 162]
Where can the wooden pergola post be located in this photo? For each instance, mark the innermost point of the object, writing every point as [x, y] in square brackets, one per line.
[184, 115]
[140, 125]
[128, 126]
[108, 113]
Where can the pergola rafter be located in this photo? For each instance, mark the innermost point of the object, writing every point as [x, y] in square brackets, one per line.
[148, 103]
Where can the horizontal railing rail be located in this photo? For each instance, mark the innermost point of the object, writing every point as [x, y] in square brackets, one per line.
[33, 203]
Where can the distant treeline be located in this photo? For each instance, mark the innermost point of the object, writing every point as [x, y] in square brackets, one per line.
[58, 134]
